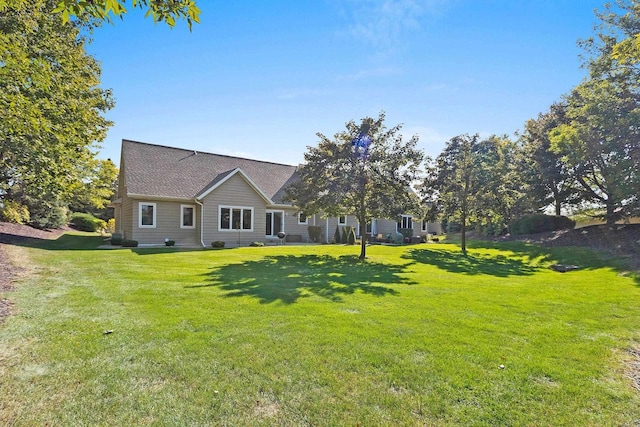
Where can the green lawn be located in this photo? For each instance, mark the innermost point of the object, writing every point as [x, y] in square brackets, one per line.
[311, 336]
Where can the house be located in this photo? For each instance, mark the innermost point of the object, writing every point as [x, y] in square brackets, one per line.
[195, 198]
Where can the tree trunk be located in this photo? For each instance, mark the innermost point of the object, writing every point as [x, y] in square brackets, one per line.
[610, 217]
[557, 202]
[463, 242]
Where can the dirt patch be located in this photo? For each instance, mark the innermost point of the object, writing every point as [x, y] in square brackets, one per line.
[620, 240]
[14, 234]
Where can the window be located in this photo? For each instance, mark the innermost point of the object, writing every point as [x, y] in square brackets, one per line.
[235, 218]
[146, 215]
[425, 225]
[302, 218]
[187, 216]
[405, 222]
[342, 220]
[369, 228]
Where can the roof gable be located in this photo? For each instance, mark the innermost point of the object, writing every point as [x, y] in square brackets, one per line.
[156, 170]
[237, 171]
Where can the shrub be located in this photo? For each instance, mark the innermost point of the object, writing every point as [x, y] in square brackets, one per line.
[126, 243]
[407, 233]
[494, 229]
[454, 227]
[336, 235]
[217, 244]
[47, 215]
[315, 233]
[344, 239]
[540, 223]
[15, 212]
[256, 244]
[111, 225]
[86, 222]
[351, 236]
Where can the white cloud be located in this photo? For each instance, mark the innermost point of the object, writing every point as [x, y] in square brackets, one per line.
[431, 140]
[382, 23]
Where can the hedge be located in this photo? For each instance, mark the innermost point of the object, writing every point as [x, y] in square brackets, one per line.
[540, 223]
[86, 222]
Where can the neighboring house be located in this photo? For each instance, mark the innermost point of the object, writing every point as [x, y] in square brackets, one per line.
[196, 198]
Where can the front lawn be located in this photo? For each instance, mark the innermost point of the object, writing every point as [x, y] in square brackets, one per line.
[308, 335]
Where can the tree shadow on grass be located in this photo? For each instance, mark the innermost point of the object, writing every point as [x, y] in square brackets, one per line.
[287, 278]
[473, 263]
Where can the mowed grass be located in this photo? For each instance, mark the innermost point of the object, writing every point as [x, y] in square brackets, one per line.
[308, 335]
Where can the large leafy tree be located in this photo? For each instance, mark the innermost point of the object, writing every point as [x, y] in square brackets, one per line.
[96, 190]
[600, 140]
[601, 143]
[617, 39]
[51, 106]
[374, 181]
[550, 180]
[453, 180]
[501, 189]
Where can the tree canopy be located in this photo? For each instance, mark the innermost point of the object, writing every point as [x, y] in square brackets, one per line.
[452, 181]
[600, 139]
[601, 142]
[550, 178]
[372, 180]
[168, 11]
[51, 105]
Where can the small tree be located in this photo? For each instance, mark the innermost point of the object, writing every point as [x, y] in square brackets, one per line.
[351, 236]
[452, 179]
[344, 239]
[336, 236]
[366, 170]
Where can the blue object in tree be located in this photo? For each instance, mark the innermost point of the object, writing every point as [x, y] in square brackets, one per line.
[361, 146]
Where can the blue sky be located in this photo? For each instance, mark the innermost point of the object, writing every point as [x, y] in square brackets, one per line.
[259, 79]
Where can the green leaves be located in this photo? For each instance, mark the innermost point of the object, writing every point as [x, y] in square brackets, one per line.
[334, 180]
[600, 142]
[168, 11]
[50, 103]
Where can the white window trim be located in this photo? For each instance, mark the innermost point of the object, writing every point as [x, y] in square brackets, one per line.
[345, 220]
[155, 214]
[306, 221]
[282, 221]
[235, 230]
[191, 227]
[402, 217]
[425, 226]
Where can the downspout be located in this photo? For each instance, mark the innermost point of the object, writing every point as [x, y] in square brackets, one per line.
[201, 223]
[327, 230]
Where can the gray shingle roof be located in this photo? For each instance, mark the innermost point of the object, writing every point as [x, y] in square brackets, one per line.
[156, 170]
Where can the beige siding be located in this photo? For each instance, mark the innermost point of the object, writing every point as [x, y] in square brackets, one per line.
[329, 225]
[292, 227]
[168, 220]
[235, 192]
[385, 226]
[126, 218]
